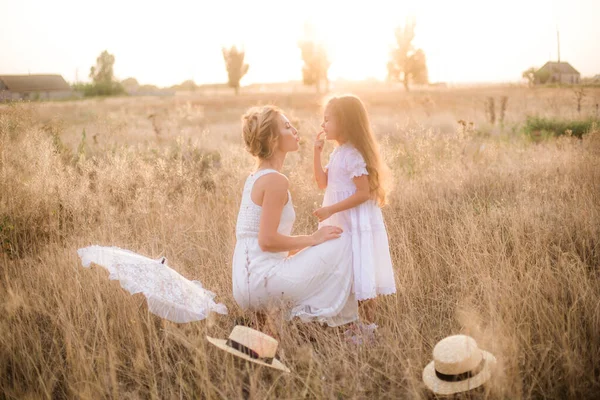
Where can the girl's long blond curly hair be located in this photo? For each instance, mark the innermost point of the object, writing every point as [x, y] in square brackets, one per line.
[351, 116]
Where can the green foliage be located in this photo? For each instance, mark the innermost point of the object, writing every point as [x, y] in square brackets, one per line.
[6, 235]
[407, 63]
[103, 79]
[538, 126]
[529, 74]
[542, 76]
[103, 71]
[236, 69]
[99, 89]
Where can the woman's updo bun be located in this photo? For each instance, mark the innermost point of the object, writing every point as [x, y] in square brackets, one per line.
[260, 130]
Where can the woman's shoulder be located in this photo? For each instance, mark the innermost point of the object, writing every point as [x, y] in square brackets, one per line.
[273, 178]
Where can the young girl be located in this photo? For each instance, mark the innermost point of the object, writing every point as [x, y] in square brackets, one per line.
[355, 190]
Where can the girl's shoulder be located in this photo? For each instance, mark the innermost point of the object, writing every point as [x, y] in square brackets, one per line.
[347, 149]
[351, 153]
[353, 161]
[347, 157]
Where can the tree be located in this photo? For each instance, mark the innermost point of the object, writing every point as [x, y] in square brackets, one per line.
[529, 74]
[316, 62]
[130, 85]
[407, 63]
[103, 71]
[103, 78]
[417, 67]
[188, 85]
[542, 76]
[536, 76]
[236, 69]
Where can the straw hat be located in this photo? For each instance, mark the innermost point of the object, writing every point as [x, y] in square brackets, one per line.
[458, 366]
[251, 345]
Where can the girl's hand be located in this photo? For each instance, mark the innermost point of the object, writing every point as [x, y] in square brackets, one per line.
[319, 143]
[326, 233]
[322, 213]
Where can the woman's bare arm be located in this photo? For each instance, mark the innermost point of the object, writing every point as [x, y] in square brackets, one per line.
[274, 199]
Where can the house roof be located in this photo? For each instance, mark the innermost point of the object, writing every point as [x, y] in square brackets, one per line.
[559, 67]
[35, 83]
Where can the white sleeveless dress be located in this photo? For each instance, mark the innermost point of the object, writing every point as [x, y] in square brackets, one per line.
[314, 284]
[372, 264]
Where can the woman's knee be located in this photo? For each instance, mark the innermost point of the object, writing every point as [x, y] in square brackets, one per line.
[338, 246]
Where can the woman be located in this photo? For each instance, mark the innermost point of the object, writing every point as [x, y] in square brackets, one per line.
[309, 276]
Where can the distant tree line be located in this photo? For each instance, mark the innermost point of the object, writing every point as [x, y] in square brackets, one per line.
[406, 64]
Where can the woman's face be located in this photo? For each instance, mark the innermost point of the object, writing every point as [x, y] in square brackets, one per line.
[288, 135]
[330, 125]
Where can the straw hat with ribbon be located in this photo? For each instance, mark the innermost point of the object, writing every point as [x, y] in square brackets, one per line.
[251, 345]
[458, 366]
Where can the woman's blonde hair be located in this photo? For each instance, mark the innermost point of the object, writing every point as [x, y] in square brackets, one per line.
[260, 130]
[353, 121]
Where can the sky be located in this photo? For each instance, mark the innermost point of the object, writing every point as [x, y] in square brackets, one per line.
[168, 42]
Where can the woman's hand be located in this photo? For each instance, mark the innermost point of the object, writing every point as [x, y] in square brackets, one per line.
[319, 143]
[323, 213]
[326, 233]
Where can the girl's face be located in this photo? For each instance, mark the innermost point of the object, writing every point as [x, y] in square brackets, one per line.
[288, 135]
[330, 126]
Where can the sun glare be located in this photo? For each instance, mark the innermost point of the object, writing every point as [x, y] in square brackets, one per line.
[463, 40]
[358, 43]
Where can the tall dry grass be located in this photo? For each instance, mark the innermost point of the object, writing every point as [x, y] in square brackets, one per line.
[490, 235]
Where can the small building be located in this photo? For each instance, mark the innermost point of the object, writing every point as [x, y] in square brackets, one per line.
[558, 72]
[33, 87]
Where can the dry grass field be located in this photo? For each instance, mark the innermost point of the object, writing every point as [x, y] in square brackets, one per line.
[492, 233]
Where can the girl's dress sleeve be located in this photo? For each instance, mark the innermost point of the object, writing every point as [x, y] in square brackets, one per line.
[355, 163]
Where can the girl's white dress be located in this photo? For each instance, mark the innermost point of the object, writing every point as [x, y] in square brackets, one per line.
[372, 264]
[314, 284]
